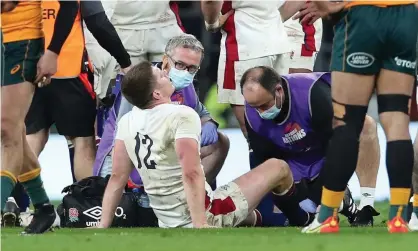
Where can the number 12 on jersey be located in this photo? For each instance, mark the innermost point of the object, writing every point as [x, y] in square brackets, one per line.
[147, 142]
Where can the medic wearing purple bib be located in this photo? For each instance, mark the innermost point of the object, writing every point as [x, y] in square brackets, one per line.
[289, 117]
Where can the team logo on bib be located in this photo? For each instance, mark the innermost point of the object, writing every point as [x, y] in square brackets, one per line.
[177, 98]
[360, 60]
[293, 133]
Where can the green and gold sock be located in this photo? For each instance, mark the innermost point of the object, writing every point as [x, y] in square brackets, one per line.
[330, 202]
[8, 182]
[33, 185]
[399, 199]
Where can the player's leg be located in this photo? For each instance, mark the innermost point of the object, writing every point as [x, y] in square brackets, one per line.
[213, 158]
[12, 152]
[10, 207]
[368, 162]
[229, 91]
[413, 223]
[17, 90]
[31, 180]
[288, 204]
[273, 175]
[20, 195]
[74, 113]
[367, 169]
[269, 214]
[394, 89]
[38, 122]
[235, 202]
[393, 106]
[354, 65]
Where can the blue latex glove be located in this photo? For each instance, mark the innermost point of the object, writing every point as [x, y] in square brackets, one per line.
[209, 134]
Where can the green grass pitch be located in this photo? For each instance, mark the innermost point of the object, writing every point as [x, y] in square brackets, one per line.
[239, 239]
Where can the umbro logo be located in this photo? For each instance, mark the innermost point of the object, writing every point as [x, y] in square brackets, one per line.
[366, 195]
[94, 212]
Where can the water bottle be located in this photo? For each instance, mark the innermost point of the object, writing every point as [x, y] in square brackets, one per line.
[142, 199]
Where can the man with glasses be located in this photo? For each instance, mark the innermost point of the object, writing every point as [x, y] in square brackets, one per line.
[183, 55]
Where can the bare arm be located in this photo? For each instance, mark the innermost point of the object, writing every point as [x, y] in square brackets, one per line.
[63, 24]
[211, 10]
[187, 150]
[122, 167]
[290, 8]
[330, 7]
[316, 9]
[187, 129]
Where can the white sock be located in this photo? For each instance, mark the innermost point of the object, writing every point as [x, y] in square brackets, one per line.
[367, 197]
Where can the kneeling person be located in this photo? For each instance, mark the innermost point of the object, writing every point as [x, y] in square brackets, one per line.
[182, 59]
[289, 117]
[162, 141]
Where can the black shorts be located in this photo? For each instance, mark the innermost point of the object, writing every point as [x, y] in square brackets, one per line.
[69, 103]
[310, 189]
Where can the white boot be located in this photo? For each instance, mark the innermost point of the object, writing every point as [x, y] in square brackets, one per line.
[413, 223]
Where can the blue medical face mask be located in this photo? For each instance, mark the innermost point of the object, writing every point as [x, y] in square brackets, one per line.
[270, 113]
[180, 78]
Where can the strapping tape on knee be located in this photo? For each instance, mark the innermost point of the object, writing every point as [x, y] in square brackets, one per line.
[351, 115]
[393, 103]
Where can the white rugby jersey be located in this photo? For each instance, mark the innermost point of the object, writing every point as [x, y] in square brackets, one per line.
[149, 137]
[142, 15]
[254, 30]
[308, 35]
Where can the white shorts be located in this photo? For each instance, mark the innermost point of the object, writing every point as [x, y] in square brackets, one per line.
[296, 60]
[228, 208]
[230, 74]
[104, 68]
[147, 44]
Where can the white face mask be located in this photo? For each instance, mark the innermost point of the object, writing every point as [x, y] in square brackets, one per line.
[180, 78]
[270, 113]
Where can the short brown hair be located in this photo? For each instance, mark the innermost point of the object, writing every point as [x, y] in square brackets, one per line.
[138, 85]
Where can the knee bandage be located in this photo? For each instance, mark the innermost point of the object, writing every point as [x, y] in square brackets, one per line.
[393, 103]
[353, 116]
